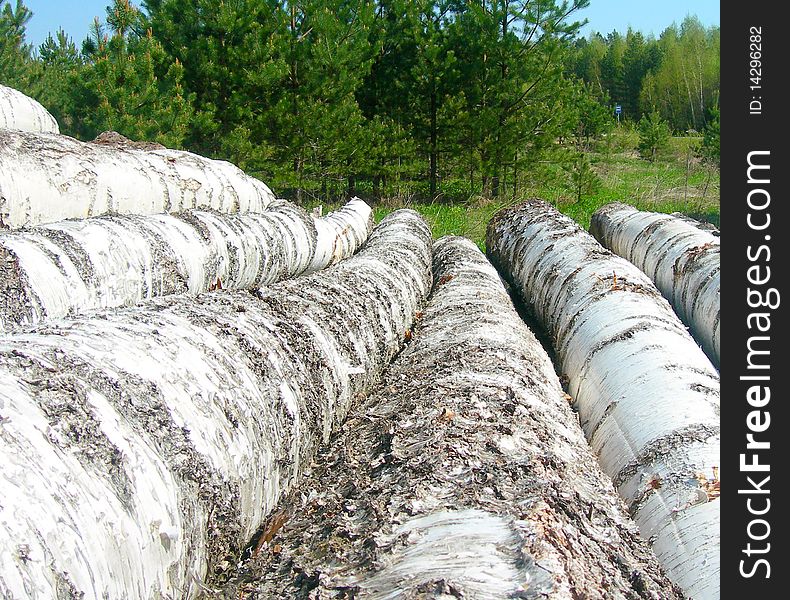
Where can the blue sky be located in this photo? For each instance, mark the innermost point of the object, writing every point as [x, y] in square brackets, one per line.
[647, 16]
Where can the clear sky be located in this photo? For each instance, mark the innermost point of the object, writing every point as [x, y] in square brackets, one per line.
[647, 16]
[74, 16]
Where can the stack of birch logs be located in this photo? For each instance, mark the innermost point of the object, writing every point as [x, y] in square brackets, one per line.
[208, 392]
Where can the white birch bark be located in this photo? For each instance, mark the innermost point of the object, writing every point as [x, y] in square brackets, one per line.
[46, 178]
[70, 267]
[142, 447]
[647, 396]
[465, 475]
[19, 111]
[680, 258]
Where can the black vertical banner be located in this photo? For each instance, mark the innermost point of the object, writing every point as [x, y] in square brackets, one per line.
[755, 65]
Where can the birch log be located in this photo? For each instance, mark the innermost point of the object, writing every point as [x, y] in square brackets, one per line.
[74, 266]
[647, 396]
[18, 111]
[464, 475]
[46, 178]
[142, 447]
[680, 258]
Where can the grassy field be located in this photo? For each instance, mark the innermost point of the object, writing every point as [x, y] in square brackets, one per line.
[677, 182]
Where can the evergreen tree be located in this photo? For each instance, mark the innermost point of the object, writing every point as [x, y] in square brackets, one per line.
[15, 52]
[512, 54]
[639, 58]
[654, 135]
[55, 79]
[321, 133]
[612, 71]
[232, 70]
[387, 97]
[589, 117]
[583, 179]
[129, 84]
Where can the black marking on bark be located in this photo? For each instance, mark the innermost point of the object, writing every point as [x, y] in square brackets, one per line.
[662, 446]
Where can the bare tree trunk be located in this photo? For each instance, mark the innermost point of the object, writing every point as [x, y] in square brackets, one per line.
[141, 448]
[647, 396]
[680, 258]
[433, 176]
[46, 178]
[465, 474]
[18, 111]
[690, 95]
[74, 266]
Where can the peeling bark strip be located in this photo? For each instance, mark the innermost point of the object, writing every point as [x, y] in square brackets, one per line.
[74, 266]
[465, 474]
[681, 259]
[637, 378]
[18, 111]
[46, 178]
[142, 447]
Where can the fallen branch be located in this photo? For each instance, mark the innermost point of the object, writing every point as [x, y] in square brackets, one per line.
[465, 474]
[18, 111]
[680, 258]
[143, 447]
[46, 178]
[73, 266]
[647, 396]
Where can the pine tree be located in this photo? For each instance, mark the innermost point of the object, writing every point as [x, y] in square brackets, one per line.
[410, 83]
[231, 71]
[55, 74]
[15, 52]
[129, 84]
[319, 129]
[513, 53]
[654, 135]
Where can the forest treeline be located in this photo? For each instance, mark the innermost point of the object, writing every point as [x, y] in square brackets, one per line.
[322, 98]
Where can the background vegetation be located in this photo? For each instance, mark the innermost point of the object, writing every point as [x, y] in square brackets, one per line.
[454, 106]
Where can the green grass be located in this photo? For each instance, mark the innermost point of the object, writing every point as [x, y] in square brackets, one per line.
[676, 182]
[468, 220]
[667, 185]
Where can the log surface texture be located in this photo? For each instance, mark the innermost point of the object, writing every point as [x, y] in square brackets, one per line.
[18, 111]
[646, 394]
[54, 270]
[679, 257]
[464, 475]
[46, 178]
[143, 447]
